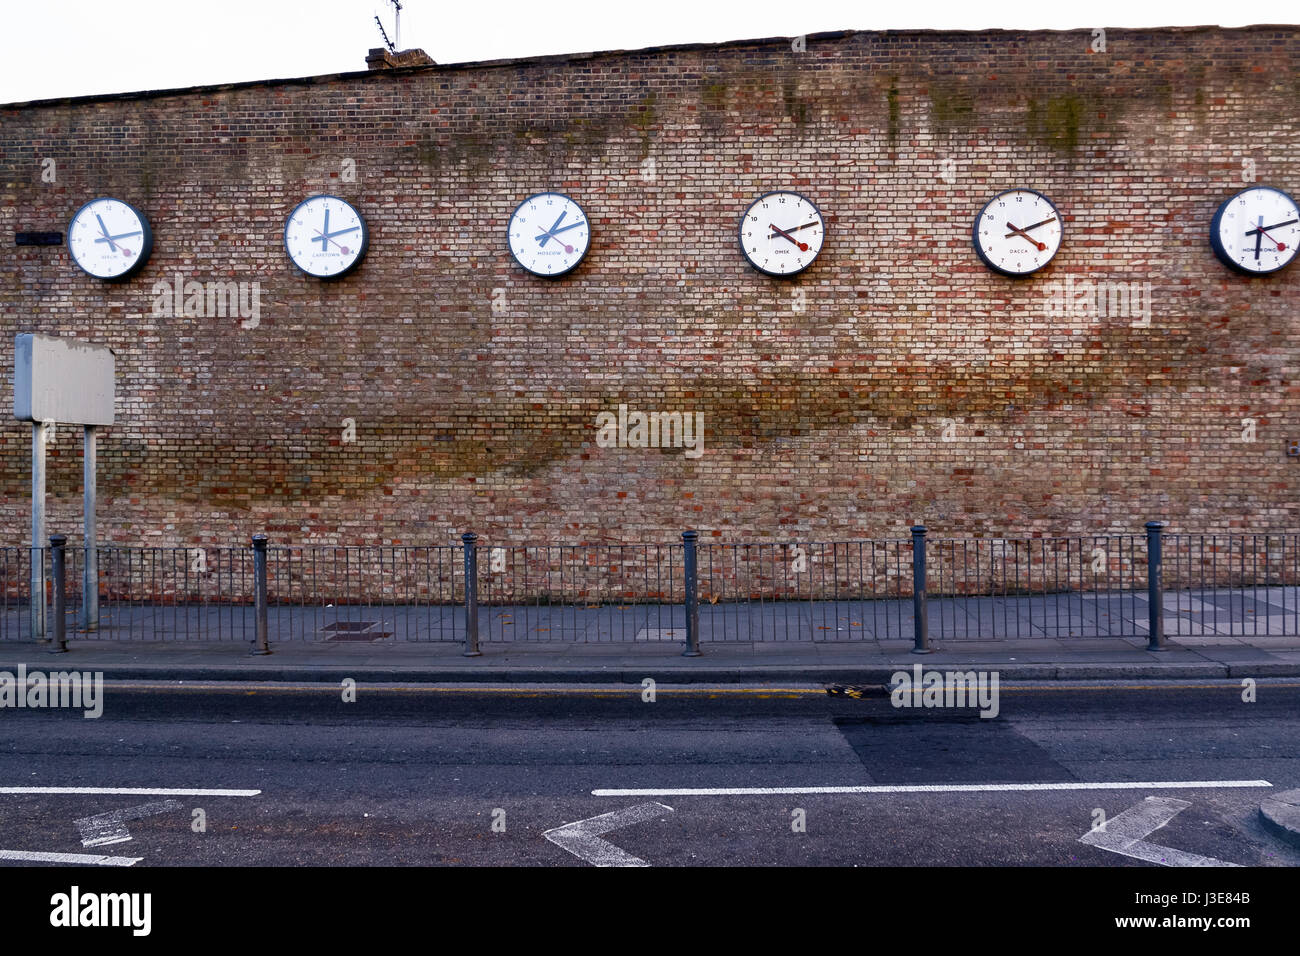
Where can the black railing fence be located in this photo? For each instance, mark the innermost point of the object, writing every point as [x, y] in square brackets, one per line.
[905, 589]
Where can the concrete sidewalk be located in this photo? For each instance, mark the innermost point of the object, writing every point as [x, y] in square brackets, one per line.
[863, 662]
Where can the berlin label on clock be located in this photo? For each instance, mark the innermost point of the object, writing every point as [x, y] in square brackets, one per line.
[1017, 232]
[781, 233]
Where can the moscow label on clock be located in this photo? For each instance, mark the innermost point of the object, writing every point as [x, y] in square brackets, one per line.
[781, 233]
[325, 237]
[1017, 232]
[548, 234]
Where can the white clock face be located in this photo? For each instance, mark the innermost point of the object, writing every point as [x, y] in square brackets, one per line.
[549, 234]
[781, 233]
[1017, 232]
[325, 237]
[1257, 230]
[109, 239]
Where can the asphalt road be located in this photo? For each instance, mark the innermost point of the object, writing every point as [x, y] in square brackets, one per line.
[419, 775]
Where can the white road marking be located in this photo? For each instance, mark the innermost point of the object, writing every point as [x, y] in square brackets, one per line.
[583, 837]
[84, 859]
[931, 788]
[1123, 834]
[131, 791]
[105, 828]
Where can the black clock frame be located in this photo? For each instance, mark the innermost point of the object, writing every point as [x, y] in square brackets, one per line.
[1217, 245]
[361, 250]
[975, 234]
[740, 234]
[146, 240]
[549, 275]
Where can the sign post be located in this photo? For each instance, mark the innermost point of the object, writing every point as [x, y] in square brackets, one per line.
[59, 379]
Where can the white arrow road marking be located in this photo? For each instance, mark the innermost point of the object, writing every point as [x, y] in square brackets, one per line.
[82, 859]
[105, 828]
[583, 838]
[1124, 834]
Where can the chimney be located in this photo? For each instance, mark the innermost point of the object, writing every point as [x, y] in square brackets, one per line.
[380, 58]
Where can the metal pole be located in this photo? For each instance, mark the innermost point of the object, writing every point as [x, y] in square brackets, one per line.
[260, 643]
[920, 620]
[1155, 596]
[38, 532]
[469, 539]
[90, 565]
[57, 554]
[692, 586]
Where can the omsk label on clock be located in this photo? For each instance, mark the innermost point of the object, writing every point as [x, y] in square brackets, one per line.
[109, 239]
[781, 233]
[548, 234]
[1017, 232]
[325, 236]
[1256, 231]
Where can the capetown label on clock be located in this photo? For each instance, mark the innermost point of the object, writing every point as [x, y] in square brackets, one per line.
[781, 233]
[109, 239]
[1017, 232]
[548, 234]
[325, 237]
[1256, 231]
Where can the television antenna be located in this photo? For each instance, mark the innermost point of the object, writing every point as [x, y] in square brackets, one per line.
[395, 43]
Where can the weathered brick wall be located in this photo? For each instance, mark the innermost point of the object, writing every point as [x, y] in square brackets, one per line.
[823, 422]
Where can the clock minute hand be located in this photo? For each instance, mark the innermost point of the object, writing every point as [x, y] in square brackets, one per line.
[795, 229]
[104, 229]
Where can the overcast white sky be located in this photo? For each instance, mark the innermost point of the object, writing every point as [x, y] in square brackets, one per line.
[52, 48]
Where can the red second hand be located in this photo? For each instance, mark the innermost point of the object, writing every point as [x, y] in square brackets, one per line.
[1280, 245]
[803, 246]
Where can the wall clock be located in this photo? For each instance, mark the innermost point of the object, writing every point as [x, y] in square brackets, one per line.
[1017, 232]
[548, 234]
[781, 233]
[1256, 231]
[325, 236]
[109, 239]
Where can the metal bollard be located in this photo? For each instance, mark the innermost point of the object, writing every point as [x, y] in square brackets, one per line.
[58, 554]
[260, 644]
[692, 585]
[920, 618]
[1155, 594]
[470, 539]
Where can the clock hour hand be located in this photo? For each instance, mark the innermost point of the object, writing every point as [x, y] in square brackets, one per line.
[1016, 230]
[549, 234]
[803, 246]
[104, 229]
[1264, 229]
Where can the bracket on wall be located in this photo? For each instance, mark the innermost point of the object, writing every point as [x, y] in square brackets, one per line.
[38, 238]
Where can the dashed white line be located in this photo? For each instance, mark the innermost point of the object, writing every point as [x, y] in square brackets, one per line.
[929, 788]
[83, 859]
[131, 791]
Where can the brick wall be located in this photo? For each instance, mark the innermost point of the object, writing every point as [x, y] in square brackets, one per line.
[897, 380]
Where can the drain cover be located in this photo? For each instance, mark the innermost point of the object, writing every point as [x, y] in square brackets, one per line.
[353, 631]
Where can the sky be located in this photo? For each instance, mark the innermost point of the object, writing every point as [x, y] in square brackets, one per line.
[56, 48]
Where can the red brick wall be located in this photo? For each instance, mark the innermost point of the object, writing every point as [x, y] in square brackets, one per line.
[826, 422]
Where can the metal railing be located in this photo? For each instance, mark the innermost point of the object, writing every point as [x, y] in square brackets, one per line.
[908, 590]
